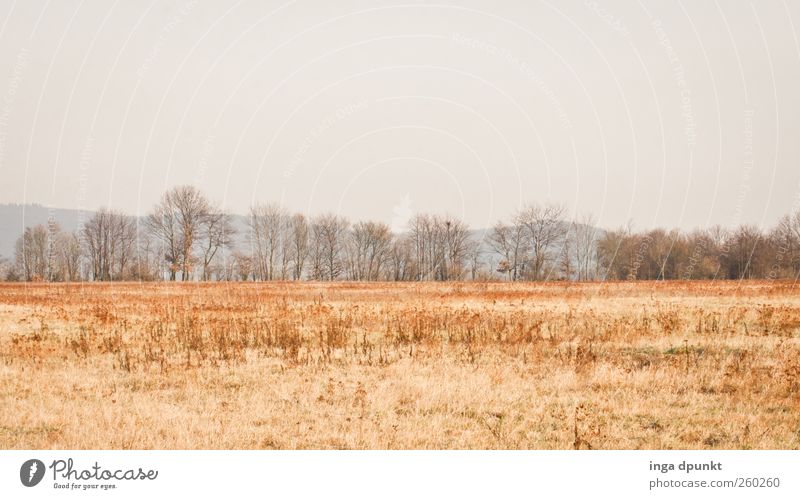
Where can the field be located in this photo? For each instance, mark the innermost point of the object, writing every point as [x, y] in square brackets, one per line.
[644, 365]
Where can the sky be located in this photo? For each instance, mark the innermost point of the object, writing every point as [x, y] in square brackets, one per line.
[649, 113]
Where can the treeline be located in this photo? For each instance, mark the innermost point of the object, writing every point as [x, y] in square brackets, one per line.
[186, 237]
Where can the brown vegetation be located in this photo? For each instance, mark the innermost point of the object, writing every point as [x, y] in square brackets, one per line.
[650, 365]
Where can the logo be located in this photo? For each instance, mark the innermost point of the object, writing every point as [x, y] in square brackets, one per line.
[31, 472]
[402, 214]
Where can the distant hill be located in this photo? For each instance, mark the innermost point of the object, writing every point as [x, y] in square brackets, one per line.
[15, 217]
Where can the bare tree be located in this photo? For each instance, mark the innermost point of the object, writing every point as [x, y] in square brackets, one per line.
[566, 258]
[109, 237]
[216, 232]
[268, 227]
[69, 255]
[456, 245]
[368, 250]
[794, 223]
[744, 258]
[475, 257]
[400, 265]
[327, 246]
[584, 239]
[526, 243]
[243, 266]
[163, 225]
[614, 250]
[544, 226]
[509, 241]
[31, 253]
[702, 259]
[6, 272]
[148, 261]
[126, 234]
[177, 221]
[298, 244]
[785, 239]
[46, 253]
[425, 246]
[53, 232]
[440, 247]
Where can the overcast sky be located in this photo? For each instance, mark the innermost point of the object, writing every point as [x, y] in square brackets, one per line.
[671, 114]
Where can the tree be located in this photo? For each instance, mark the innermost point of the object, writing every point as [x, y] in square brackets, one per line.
[216, 232]
[46, 253]
[509, 241]
[148, 259]
[243, 266]
[298, 244]
[544, 226]
[368, 250]
[176, 222]
[742, 258]
[108, 238]
[457, 246]
[5, 270]
[526, 243]
[566, 258]
[425, 244]
[615, 254]
[327, 246]
[400, 263]
[441, 246]
[702, 259]
[584, 239]
[69, 256]
[31, 254]
[268, 229]
[785, 239]
[475, 259]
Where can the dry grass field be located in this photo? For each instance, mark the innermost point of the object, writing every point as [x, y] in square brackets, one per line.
[400, 366]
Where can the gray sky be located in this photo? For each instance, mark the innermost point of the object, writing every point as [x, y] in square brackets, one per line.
[676, 114]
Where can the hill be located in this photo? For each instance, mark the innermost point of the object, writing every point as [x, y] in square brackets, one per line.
[15, 217]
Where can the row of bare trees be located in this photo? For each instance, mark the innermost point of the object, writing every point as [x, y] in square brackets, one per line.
[45, 253]
[745, 252]
[188, 237]
[328, 247]
[539, 243]
[527, 242]
[179, 239]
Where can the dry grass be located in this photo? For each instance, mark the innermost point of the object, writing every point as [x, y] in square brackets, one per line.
[388, 366]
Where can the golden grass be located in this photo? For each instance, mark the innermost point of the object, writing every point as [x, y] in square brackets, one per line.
[400, 366]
